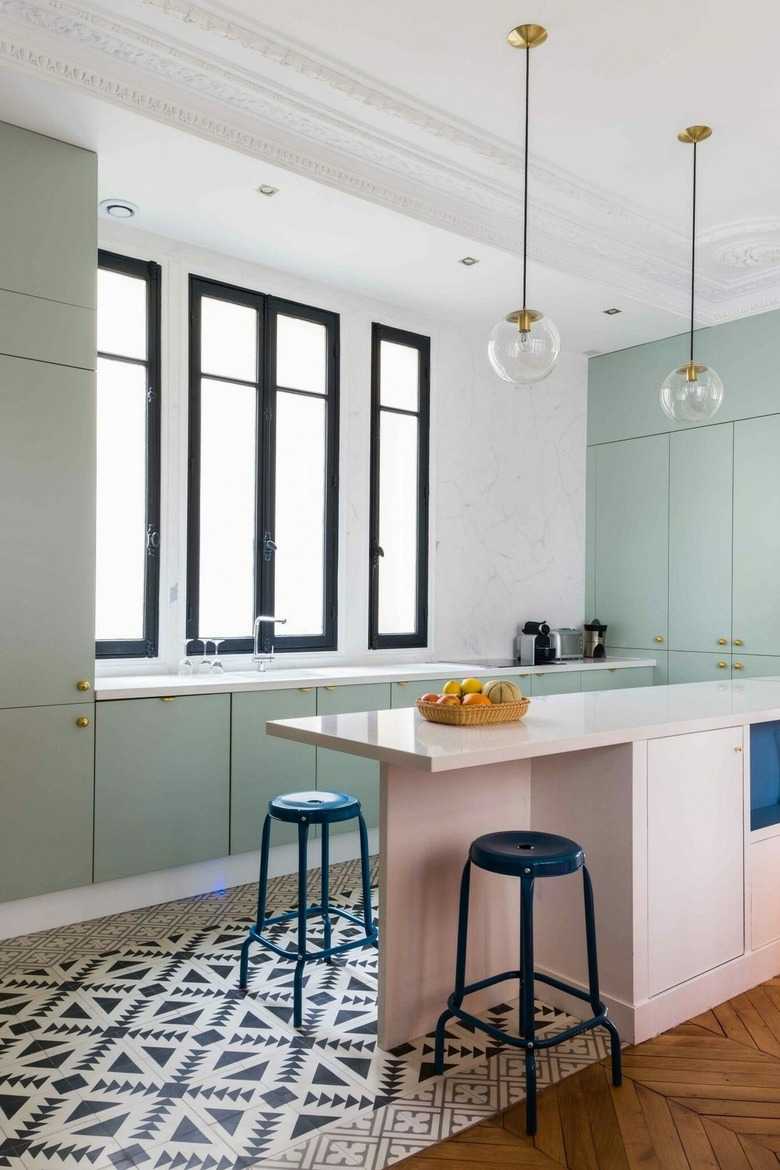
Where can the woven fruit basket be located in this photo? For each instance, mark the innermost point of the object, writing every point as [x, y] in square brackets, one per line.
[471, 716]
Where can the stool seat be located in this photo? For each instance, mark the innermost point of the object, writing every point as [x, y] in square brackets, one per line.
[527, 854]
[314, 808]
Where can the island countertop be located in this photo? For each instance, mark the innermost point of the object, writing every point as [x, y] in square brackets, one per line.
[559, 723]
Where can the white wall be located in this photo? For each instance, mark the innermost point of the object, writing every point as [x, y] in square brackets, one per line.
[507, 469]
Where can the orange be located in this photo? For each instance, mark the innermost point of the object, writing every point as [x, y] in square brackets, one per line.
[476, 700]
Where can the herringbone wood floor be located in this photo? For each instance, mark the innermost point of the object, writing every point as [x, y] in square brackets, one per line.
[703, 1096]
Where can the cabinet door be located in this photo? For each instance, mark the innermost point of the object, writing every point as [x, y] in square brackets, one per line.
[566, 682]
[685, 667]
[695, 855]
[162, 783]
[262, 767]
[700, 498]
[405, 694]
[631, 540]
[756, 621]
[754, 665]
[660, 670]
[339, 772]
[617, 678]
[46, 781]
[47, 524]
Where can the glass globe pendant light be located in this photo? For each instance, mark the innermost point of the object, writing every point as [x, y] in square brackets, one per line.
[692, 393]
[525, 345]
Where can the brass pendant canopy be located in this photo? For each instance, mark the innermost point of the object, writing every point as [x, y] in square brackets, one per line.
[527, 36]
[694, 134]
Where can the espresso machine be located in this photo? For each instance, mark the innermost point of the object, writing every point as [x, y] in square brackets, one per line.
[594, 641]
[534, 645]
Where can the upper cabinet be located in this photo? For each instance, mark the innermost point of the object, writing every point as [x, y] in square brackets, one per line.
[630, 541]
[756, 625]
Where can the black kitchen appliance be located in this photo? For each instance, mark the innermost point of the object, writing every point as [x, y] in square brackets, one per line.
[594, 641]
[534, 645]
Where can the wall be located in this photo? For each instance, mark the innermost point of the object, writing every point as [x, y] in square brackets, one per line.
[507, 469]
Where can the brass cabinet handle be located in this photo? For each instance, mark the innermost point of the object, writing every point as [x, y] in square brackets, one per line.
[612, 669]
[403, 683]
[722, 665]
[167, 698]
[738, 666]
[738, 642]
[82, 721]
[658, 638]
[723, 641]
[83, 685]
[304, 688]
[524, 676]
[737, 749]
[330, 688]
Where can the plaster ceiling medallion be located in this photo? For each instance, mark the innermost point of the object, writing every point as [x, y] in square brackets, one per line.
[751, 254]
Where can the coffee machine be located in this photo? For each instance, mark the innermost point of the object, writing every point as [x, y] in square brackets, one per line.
[534, 645]
[594, 641]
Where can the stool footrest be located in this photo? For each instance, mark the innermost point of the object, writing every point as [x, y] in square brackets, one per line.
[313, 956]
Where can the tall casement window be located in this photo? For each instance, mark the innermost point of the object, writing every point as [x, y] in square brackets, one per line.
[128, 457]
[400, 413]
[263, 464]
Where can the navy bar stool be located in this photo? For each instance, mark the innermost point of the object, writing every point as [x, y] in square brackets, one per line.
[306, 809]
[527, 856]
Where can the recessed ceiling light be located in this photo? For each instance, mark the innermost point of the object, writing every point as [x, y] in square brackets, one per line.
[267, 189]
[611, 312]
[118, 208]
[468, 261]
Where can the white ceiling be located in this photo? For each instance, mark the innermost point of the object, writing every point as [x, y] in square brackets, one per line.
[393, 134]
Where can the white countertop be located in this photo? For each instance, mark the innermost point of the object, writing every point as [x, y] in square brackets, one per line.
[148, 686]
[560, 723]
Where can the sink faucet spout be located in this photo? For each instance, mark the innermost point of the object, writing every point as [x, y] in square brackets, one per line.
[257, 657]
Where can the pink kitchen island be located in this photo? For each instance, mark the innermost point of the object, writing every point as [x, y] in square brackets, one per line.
[653, 782]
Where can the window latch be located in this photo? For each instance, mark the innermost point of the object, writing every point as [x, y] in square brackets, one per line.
[269, 546]
[377, 551]
[152, 540]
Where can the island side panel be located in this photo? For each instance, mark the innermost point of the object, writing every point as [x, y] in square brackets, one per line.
[428, 821]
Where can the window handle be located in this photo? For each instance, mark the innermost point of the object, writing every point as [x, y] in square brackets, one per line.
[152, 540]
[377, 552]
[269, 546]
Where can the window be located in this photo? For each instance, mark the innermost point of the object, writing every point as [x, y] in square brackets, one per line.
[263, 464]
[400, 412]
[128, 457]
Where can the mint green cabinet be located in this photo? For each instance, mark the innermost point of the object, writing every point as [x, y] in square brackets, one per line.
[756, 617]
[685, 667]
[162, 783]
[631, 540]
[700, 502]
[406, 694]
[262, 766]
[46, 782]
[550, 683]
[339, 772]
[659, 671]
[754, 665]
[617, 678]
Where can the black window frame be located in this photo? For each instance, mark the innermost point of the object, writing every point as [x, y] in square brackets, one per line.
[418, 638]
[148, 271]
[269, 308]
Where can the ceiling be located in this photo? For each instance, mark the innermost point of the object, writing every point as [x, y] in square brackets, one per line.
[393, 135]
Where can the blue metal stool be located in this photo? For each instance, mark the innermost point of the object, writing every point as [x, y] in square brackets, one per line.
[527, 856]
[306, 809]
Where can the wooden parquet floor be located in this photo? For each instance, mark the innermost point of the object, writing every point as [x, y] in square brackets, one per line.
[703, 1096]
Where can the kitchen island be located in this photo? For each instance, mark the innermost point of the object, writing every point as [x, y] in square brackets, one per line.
[654, 783]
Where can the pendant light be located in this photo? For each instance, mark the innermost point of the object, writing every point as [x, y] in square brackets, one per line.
[692, 393]
[525, 345]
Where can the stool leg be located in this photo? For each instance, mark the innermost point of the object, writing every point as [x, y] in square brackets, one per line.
[303, 838]
[365, 873]
[262, 888]
[593, 977]
[325, 888]
[460, 968]
[527, 1021]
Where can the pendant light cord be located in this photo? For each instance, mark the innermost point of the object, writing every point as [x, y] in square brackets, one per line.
[525, 166]
[693, 246]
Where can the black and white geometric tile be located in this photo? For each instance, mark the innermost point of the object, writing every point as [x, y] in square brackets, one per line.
[125, 1043]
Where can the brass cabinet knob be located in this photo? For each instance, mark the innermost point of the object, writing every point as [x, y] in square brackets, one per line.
[332, 687]
[167, 698]
[83, 685]
[82, 721]
[403, 683]
[738, 642]
[738, 666]
[722, 665]
[737, 749]
[304, 688]
[723, 641]
[658, 638]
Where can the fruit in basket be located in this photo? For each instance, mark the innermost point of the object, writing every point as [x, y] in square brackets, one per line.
[449, 701]
[475, 699]
[430, 697]
[502, 691]
[471, 686]
[453, 687]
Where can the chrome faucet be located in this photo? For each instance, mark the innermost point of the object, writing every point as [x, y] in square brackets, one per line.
[257, 657]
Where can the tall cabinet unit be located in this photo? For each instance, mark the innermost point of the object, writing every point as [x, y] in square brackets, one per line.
[48, 237]
[757, 537]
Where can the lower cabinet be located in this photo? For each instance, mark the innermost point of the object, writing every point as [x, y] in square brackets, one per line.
[46, 783]
[617, 678]
[764, 893]
[695, 817]
[565, 683]
[162, 783]
[406, 694]
[262, 766]
[339, 772]
[660, 670]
